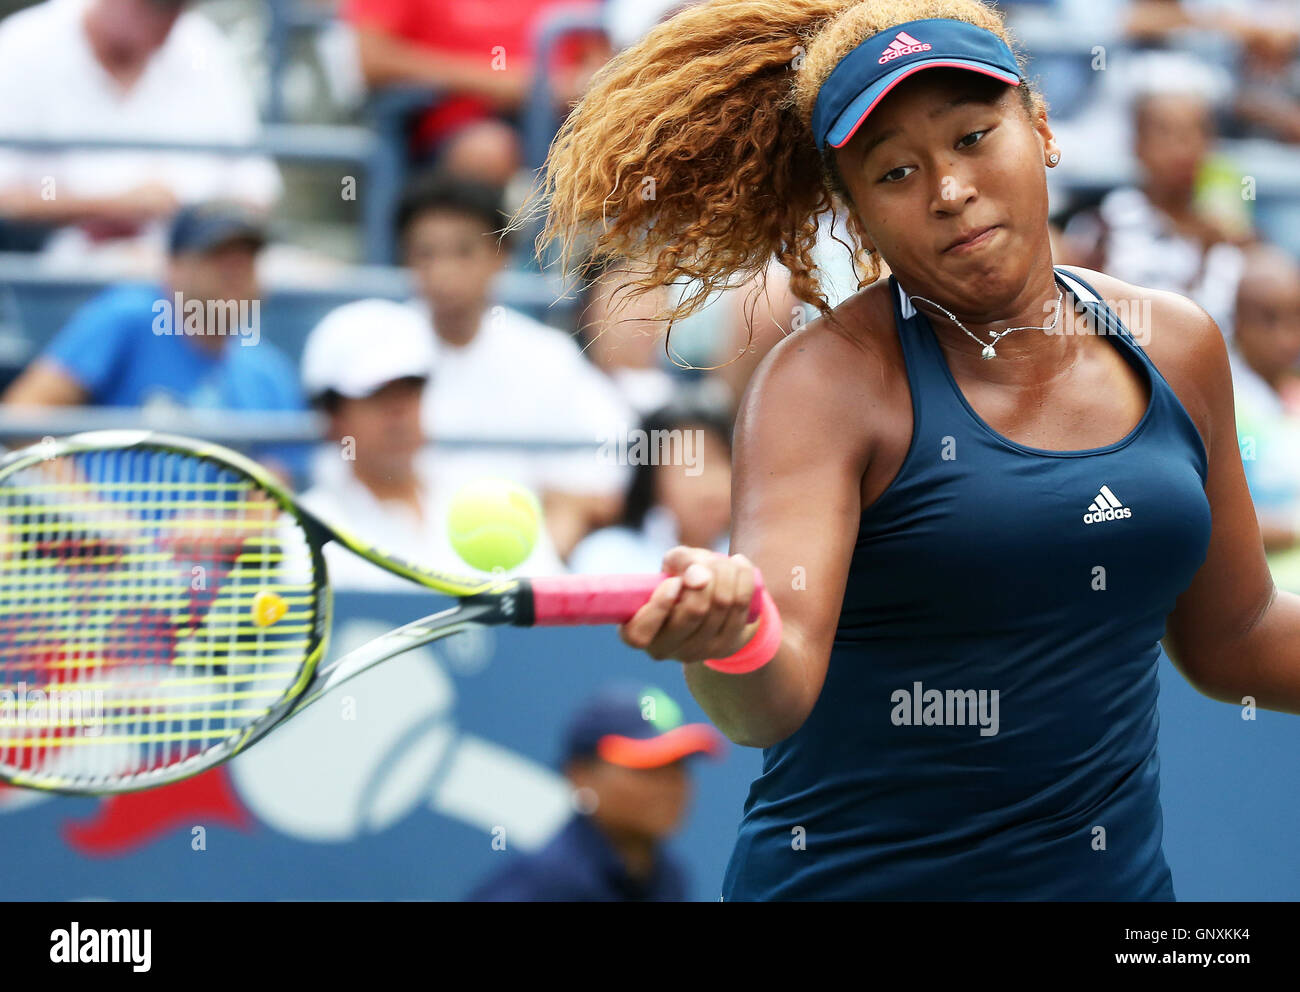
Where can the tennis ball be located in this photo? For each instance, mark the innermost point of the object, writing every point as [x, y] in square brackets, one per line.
[493, 524]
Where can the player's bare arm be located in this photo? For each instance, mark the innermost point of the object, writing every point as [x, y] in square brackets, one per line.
[796, 505]
[1233, 634]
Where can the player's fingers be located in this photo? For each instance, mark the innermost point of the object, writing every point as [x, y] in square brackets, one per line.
[725, 574]
[688, 614]
[737, 618]
[677, 560]
[646, 623]
[746, 583]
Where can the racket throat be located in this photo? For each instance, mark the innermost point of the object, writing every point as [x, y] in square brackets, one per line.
[511, 608]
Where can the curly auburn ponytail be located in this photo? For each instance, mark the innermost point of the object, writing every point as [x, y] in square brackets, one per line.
[692, 152]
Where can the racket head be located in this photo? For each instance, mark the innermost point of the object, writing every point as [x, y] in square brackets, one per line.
[163, 603]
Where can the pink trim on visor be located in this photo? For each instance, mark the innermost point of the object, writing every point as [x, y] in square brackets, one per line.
[995, 73]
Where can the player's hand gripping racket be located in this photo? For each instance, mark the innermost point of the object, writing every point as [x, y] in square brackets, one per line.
[164, 604]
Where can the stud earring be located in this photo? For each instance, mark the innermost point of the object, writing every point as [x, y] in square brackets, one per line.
[1053, 158]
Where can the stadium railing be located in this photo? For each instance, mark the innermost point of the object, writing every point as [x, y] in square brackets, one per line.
[236, 428]
[288, 437]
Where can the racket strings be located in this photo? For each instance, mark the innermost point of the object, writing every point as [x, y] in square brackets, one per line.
[153, 606]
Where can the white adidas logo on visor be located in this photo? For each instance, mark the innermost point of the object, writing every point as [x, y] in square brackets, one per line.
[1106, 507]
[903, 44]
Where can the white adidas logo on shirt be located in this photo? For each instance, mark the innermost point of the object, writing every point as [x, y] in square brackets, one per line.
[903, 44]
[1105, 507]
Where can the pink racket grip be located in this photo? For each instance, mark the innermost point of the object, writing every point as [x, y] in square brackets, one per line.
[580, 600]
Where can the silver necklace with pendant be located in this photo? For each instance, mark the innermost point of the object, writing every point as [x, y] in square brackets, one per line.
[989, 350]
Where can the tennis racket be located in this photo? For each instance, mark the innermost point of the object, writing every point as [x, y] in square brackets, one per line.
[164, 604]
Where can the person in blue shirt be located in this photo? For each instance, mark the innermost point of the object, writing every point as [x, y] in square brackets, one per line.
[194, 343]
[625, 753]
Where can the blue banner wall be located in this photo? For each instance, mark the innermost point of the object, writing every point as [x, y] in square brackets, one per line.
[394, 786]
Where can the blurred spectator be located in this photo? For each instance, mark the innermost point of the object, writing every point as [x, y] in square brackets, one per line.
[1267, 36]
[733, 330]
[366, 365]
[1264, 354]
[625, 753]
[622, 337]
[1159, 20]
[480, 56]
[1241, 20]
[145, 70]
[1158, 234]
[501, 374]
[680, 492]
[156, 348]
[1267, 102]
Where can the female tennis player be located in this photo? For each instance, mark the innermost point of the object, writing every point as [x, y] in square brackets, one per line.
[979, 499]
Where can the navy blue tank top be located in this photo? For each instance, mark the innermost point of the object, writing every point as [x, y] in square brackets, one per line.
[987, 728]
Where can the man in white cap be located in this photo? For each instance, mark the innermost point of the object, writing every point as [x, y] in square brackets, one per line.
[365, 365]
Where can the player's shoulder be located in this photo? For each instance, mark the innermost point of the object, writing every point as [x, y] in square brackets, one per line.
[1170, 327]
[839, 379]
[1182, 340]
[1114, 290]
[854, 346]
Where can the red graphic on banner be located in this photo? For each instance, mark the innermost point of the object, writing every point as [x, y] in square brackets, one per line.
[129, 821]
